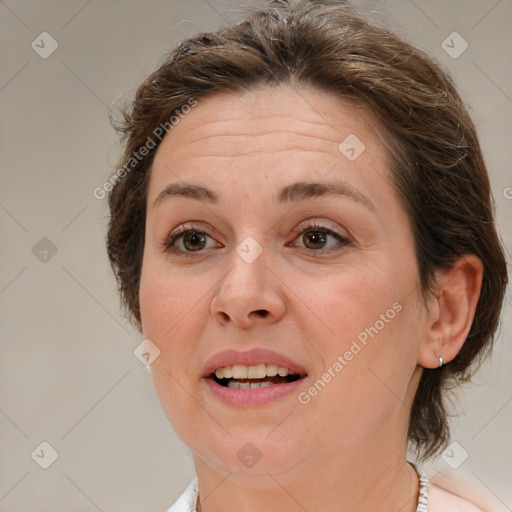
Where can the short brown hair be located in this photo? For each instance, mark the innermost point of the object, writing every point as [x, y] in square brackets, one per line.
[435, 157]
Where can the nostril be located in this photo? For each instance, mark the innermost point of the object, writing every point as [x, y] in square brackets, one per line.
[261, 312]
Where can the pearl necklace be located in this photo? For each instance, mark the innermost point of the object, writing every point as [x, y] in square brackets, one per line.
[423, 491]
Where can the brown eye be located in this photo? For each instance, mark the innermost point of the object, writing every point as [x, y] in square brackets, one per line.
[189, 242]
[194, 241]
[314, 239]
[321, 239]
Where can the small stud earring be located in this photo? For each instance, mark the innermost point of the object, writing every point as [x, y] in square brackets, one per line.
[441, 362]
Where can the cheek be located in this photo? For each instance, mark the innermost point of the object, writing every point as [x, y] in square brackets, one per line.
[347, 302]
[173, 312]
[170, 301]
[371, 320]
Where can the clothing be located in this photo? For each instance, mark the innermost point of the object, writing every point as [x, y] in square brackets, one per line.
[187, 501]
[449, 492]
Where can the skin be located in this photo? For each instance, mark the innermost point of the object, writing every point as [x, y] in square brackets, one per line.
[345, 450]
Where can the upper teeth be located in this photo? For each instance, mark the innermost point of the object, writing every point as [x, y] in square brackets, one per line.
[259, 371]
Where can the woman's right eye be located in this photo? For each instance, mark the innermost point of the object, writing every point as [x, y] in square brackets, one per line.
[190, 240]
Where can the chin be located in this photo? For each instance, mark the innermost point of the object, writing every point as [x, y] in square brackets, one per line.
[252, 457]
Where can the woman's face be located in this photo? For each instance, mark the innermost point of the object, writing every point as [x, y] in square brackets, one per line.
[274, 239]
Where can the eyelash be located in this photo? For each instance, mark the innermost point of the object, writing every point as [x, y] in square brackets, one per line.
[314, 226]
[181, 231]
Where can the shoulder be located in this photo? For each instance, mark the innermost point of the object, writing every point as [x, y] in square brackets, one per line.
[443, 500]
[454, 492]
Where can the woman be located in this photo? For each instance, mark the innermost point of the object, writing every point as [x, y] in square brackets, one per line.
[302, 227]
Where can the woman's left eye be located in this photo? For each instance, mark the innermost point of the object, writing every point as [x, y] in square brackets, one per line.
[319, 239]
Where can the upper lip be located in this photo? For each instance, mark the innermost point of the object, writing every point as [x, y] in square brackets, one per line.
[250, 358]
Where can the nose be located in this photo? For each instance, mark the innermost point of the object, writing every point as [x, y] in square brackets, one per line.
[248, 295]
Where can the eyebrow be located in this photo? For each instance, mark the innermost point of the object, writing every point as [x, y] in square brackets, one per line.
[187, 190]
[308, 189]
[291, 193]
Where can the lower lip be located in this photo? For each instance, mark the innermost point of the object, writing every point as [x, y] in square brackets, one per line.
[252, 397]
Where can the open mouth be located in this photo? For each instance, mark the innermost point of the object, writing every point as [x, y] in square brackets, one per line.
[253, 377]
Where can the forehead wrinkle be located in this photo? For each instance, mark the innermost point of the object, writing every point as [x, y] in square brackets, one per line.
[237, 145]
[264, 134]
[258, 152]
[254, 119]
[200, 130]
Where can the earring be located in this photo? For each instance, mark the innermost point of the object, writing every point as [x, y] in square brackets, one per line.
[441, 362]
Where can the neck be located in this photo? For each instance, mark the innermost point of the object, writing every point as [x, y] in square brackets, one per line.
[365, 480]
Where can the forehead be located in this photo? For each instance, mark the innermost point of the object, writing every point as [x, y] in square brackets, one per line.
[280, 134]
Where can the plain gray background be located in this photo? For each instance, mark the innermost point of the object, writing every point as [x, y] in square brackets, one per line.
[68, 375]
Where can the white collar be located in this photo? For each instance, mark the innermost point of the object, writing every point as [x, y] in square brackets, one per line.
[187, 501]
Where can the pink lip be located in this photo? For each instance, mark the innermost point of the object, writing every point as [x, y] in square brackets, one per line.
[250, 358]
[251, 397]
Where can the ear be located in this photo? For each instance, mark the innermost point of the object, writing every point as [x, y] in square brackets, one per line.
[451, 311]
